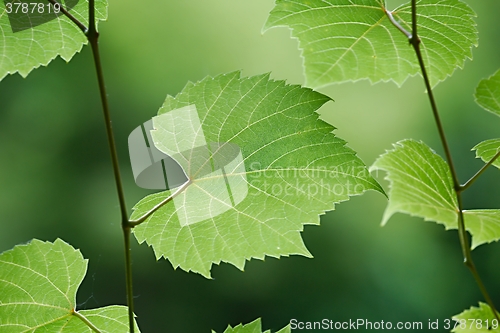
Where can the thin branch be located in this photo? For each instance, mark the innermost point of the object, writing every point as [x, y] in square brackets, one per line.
[93, 37]
[466, 252]
[133, 223]
[129, 278]
[462, 233]
[415, 42]
[73, 19]
[414, 19]
[479, 173]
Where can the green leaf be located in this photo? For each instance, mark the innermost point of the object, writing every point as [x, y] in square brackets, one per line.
[487, 149]
[421, 185]
[349, 40]
[38, 283]
[253, 327]
[261, 165]
[476, 320]
[23, 49]
[488, 93]
[483, 224]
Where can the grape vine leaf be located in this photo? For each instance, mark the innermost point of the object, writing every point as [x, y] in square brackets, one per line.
[421, 185]
[253, 327]
[284, 167]
[22, 50]
[38, 283]
[488, 93]
[486, 150]
[477, 320]
[483, 224]
[349, 40]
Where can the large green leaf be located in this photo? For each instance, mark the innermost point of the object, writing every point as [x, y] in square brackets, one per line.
[24, 48]
[488, 93]
[486, 150]
[261, 166]
[476, 320]
[38, 285]
[253, 327]
[421, 185]
[349, 40]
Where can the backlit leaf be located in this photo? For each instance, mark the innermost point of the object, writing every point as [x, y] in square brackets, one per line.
[483, 224]
[261, 165]
[253, 327]
[488, 93]
[349, 40]
[487, 149]
[421, 185]
[38, 285]
[476, 320]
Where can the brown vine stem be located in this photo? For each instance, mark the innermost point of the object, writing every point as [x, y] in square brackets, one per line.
[462, 233]
[93, 37]
[127, 226]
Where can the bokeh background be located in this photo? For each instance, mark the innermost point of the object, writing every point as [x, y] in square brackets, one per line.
[56, 179]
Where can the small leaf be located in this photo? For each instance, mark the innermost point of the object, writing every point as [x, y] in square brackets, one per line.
[487, 149]
[253, 327]
[349, 40]
[261, 165]
[483, 224]
[24, 48]
[38, 283]
[421, 183]
[488, 93]
[476, 320]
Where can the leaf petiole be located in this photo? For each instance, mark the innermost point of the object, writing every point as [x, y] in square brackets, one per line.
[479, 173]
[396, 24]
[134, 223]
[73, 19]
[86, 321]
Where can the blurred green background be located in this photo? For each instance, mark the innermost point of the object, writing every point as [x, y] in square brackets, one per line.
[56, 179]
